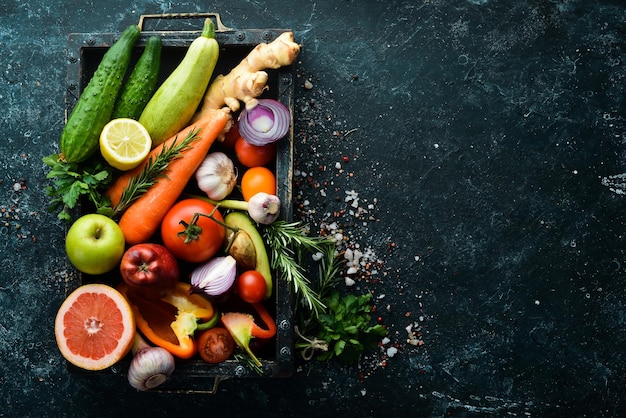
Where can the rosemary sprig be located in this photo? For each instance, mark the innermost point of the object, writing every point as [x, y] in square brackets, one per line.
[328, 271]
[294, 233]
[245, 358]
[154, 170]
[287, 241]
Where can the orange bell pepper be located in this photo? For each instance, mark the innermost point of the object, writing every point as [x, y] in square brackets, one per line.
[171, 321]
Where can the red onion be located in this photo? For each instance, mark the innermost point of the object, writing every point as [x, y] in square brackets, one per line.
[214, 277]
[265, 123]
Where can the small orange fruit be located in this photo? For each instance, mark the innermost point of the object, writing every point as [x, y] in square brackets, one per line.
[94, 327]
[256, 180]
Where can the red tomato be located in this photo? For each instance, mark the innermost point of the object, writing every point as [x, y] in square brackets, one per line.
[231, 137]
[198, 247]
[251, 286]
[215, 345]
[251, 155]
[257, 179]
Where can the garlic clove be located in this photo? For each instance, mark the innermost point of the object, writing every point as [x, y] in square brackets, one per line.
[264, 208]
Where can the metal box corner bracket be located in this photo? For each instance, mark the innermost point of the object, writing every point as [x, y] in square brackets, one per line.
[85, 51]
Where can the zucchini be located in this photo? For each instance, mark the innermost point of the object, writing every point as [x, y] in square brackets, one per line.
[80, 136]
[177, 99]
[141, 83]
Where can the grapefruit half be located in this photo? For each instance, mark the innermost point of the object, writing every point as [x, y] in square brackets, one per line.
[94, 327]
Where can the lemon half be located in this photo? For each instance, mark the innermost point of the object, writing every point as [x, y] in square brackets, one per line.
[124, 143]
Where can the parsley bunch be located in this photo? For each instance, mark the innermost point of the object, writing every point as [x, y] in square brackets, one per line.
[73, 181]
[345, 328]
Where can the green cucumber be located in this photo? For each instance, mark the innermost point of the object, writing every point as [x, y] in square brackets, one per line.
[81, 134]
[141, 83]
[173, 105]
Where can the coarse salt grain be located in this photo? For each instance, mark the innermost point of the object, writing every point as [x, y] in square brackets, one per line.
[348, 254]
[349, 281]
[317, 256]
[391, 351]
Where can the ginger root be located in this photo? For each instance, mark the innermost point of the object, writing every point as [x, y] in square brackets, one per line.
[247, 80]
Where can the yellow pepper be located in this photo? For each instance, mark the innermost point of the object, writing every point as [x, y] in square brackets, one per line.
[171, 322]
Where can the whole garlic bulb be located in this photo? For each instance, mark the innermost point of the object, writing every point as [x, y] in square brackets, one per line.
[150, 367]
[216, 175]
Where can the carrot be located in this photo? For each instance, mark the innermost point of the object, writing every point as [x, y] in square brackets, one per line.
[143, 217]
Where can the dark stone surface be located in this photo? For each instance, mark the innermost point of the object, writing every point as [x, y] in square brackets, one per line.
[477, 134]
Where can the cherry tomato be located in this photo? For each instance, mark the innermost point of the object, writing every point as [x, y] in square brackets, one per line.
[198, 247]
[251, 155]
[215, 345]
[257, 179]
[251, 286]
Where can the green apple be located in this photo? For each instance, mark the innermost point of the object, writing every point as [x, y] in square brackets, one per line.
[95, 244]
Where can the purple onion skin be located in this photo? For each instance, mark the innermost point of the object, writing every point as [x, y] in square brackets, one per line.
[223, 270]
[266, 108]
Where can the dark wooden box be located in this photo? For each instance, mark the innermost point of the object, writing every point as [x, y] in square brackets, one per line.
[177, 31]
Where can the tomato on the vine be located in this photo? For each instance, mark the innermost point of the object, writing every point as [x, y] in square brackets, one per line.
[197, 238]
[250, 155]
[257, 179]
[251, 286]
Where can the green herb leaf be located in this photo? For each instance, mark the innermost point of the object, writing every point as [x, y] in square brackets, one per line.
[287, 242]
[72, 181]
[245, 358]
[345, 327]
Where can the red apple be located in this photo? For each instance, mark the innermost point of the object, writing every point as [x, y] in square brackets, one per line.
[150, 270]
